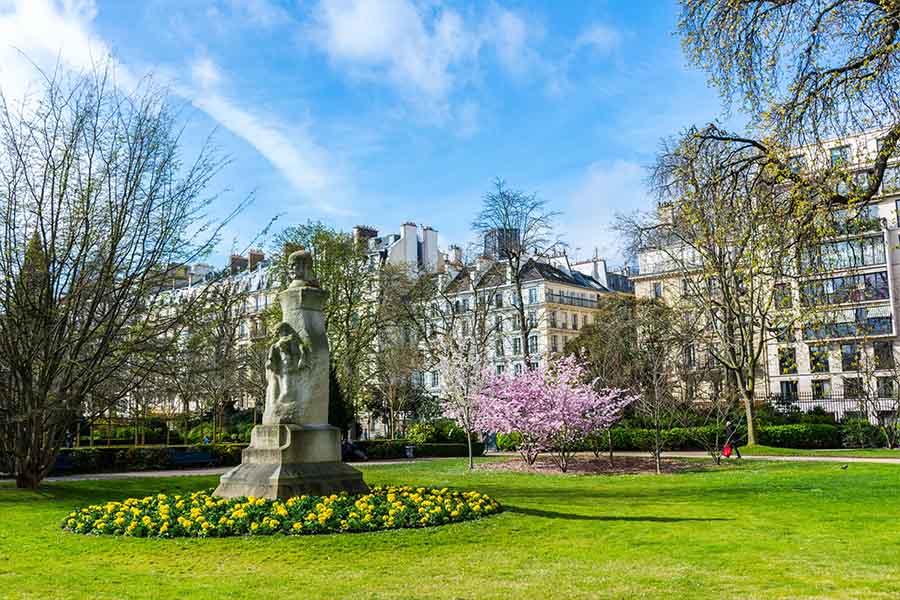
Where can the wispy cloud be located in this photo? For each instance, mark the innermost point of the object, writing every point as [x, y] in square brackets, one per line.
[45, 33]
[600, 37]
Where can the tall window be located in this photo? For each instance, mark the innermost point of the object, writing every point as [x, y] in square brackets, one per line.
[498, 299]
[435, 378]
[840, 156]
[886, 387]
[787, 360]
[849, 357]
[818, 359]
[783, 296]
[657, 290]
[498, 347]
[574, 320]
[517, 368]
[853, 387]
[884, 355]
[553, 318]
[532, 344]
[789, 388]
[517, 346]
[498, 322]
[532, 318]
[554, 343]
[532, 295]
[821, 388]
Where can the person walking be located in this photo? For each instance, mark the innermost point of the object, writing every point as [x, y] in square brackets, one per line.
[731, 438]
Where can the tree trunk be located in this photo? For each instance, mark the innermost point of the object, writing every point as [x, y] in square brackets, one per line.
[657, 449]
[609, 445]
[748, 410]
[471, 457]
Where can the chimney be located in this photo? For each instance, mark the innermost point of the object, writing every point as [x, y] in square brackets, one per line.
[364, 233]
[255, 257]
[429, 249]
[455, 255]
[237, 264]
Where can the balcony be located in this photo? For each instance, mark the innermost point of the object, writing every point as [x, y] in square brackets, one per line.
[553, 298]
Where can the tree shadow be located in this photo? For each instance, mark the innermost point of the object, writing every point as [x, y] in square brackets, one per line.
[549, 514]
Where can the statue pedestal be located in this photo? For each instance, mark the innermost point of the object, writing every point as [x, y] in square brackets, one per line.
[290, 460]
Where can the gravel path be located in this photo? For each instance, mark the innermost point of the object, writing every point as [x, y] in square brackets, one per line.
[207, 471]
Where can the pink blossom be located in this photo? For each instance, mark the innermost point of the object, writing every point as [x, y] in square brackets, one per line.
[552, 407]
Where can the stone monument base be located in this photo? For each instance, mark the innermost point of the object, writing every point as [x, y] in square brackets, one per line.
[290, 460]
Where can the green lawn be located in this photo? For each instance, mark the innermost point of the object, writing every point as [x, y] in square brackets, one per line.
[865, 453]
[750, 530]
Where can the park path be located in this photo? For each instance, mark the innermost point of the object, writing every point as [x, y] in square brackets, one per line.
[206, 471]
[837, 459]
[684, 454]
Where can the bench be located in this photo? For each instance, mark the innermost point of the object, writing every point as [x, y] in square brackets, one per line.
[192, 458]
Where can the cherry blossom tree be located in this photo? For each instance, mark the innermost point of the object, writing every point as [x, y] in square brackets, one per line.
[553, 407]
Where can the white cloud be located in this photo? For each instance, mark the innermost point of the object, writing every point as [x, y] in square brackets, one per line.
[45, 32]
[594, 199]
[599, 37]
[427, 52]
[394, 38]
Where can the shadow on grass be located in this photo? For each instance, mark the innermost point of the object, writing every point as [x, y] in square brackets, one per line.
[549, 514]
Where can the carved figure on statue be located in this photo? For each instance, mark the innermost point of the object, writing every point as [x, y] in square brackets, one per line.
[284, 375]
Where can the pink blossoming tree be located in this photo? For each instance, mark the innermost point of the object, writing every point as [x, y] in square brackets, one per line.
[553, 407]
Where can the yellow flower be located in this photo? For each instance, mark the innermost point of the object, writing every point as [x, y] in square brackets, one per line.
[253, 526]
[297, 526]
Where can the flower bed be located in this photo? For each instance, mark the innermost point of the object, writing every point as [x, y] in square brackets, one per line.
[202, 515]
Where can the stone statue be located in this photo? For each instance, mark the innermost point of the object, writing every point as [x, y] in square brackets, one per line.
[295, 451]
[284, 375]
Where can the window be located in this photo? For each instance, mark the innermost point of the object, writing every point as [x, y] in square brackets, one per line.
[465, 305]
[821, 389]
[500, 369]
[554, 343]
[689, 359]
[565, 320]
[783, 296]
[787, 361]
[657, 290]
[532, 295]
[515, 322]
[532, 344]
[840, 156]
[785, 335]
[498, 299]
[517, 368]
[584, 320]
[789, 388]
[849, 357]
[796, 163]
[574, 320]
[532, 318]
[517, 346]
[553, 318]
[853, 387]
[465, 327]
[498, 322]
[886, 387]
[818, 359]
[884, 355]
[435, 378]
[498, 347]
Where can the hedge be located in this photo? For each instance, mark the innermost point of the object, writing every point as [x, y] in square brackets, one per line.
[804, 435]
[144, 458]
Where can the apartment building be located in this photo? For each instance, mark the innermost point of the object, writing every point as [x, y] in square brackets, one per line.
[851, 349]
[559, 302]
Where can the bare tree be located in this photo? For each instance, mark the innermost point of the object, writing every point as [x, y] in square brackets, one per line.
[518, 227]
[96, 206]
[735, 237]
[398, 362]
[451, 320]
[806, 72]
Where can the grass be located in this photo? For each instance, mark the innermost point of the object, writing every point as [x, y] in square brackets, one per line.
[748, 530]
[856, 452]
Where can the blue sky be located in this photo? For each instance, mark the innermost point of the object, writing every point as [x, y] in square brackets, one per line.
[386, 111]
